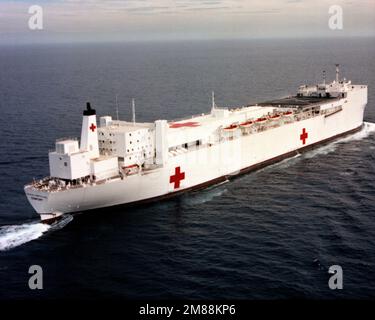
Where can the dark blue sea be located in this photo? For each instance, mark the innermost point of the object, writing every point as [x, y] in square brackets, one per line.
[271, 234]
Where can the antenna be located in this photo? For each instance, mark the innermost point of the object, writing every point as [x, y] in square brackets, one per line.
[117, 107]
[324, 77]
[133, 111]
[337, 72]
[213, 101]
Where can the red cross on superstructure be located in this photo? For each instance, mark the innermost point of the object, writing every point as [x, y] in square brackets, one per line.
[185, 124]
[177, 177]
[303, 137]
[92, 127]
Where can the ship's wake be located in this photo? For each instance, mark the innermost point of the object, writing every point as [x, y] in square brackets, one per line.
[207, 195]
[12, 236]
[367, 130]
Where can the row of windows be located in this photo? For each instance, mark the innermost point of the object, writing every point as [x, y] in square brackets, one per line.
[187, 146]
[106, 149]
[144, 155]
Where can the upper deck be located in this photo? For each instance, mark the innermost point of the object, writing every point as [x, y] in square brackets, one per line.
[298, 102]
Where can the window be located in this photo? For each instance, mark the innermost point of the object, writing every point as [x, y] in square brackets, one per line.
[65, 164]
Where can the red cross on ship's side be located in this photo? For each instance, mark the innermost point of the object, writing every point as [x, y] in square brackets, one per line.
[177, 177]
[303, 137]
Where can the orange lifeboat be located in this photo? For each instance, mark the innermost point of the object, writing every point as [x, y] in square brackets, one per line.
[275, 117]
[230, 128]
[261, 120]
[132, 169]
[246, 124]
[288, 113]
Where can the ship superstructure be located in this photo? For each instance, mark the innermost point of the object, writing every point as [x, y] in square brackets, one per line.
[120, 162]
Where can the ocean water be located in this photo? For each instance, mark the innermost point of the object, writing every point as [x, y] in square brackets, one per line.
[256, 237]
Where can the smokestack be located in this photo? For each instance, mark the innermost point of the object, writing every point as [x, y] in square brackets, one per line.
[89, 132]
[89, 111]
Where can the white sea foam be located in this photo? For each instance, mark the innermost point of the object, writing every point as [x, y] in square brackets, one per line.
[368, 130]
[12, 236]
[206, 195]
[284, 163]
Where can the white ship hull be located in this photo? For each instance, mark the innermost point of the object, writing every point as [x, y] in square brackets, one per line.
[206, 165]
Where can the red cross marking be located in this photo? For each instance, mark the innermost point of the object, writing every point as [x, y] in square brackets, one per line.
[177, 177]
[92, 127]
[303, 137]
[185, 124]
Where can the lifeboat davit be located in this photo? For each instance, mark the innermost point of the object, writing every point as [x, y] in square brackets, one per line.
[246, 124]
[230, 128]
